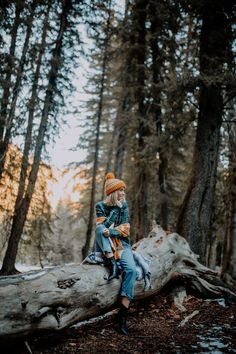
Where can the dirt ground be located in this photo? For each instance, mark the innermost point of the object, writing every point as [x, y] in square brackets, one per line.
[155, 326]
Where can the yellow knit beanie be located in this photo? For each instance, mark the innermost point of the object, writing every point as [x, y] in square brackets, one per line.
[112, 184]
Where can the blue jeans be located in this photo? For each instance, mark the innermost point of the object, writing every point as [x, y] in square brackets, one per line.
[102, 243]
[126, 262]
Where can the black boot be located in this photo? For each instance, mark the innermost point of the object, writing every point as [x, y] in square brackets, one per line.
[114, 271]
[121, 320]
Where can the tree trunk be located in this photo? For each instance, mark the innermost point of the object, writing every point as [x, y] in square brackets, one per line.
[122, 119]
[121, 146]
[7, 83]
[109, 160]
[32, 107]
[8, 266]
[156, 29]
[121, 126]
[195, 217]
[58, 297]
[141, 201]
[229, 253]
[87, 245]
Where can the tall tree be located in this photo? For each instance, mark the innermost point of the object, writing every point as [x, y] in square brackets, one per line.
[143, 131]
[7, 80]
[164, 19]
[195, 216]
[123, 113]
[229, 251]
[156, 29]
[32, 108]
[98, 127]
[17, 84]
[8, 266]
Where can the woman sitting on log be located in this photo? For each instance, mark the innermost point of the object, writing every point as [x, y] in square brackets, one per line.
[112, 239]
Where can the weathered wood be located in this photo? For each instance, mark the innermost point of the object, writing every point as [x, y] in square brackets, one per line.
[55, 298]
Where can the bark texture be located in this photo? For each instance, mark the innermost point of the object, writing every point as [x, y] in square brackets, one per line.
[87, 245]
[7, 85]
[123, 114]
[55, 298]
[195, 217]
[156, 29]
[229, 254]
[141, 200]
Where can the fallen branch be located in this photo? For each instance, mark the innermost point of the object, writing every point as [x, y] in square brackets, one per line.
[186, 319]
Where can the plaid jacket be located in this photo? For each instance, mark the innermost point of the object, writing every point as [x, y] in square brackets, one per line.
[116, 219]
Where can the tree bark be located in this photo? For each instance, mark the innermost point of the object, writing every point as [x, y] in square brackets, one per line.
[229, 253]
[32, 107]
[195, 217]
[141, 201]
[55, 298]
[156, 29]
[8, 266]
[122, 118]
[87, 245]
[109, 160]
[7, 82]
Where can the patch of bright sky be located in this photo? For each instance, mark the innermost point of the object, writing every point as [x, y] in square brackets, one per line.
[62, 151]
[63, 190]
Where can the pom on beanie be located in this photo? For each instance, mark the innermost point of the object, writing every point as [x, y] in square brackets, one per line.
[113, 184]
[109, 175]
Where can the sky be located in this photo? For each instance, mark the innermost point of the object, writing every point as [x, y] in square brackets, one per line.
[61, 153]
[63, 189]
[63, 150]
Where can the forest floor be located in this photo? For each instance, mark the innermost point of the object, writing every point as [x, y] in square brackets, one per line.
[155, 326]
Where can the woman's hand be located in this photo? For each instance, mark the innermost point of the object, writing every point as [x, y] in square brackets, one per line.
[106, 232]
[119, 203]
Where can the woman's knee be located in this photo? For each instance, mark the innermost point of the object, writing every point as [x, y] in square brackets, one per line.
[99, 230]
[131, 271]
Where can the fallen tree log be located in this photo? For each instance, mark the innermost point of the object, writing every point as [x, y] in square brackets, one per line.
[58, 297]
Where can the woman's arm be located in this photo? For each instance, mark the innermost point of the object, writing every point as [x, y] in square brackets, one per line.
[123, 229]
[102, 218]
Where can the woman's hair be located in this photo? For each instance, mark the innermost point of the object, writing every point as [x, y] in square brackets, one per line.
[112, 200]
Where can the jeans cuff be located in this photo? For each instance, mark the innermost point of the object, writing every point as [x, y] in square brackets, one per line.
[126, 295]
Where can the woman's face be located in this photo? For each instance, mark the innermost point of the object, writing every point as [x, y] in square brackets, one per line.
[120, 194]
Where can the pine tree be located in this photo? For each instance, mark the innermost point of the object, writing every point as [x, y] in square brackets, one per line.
[97, 139]
[18, 81]
[57, 62]
[195, 217]
[229, 252]
[6, 82]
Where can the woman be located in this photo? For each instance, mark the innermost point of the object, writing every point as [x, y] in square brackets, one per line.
[112, 239]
